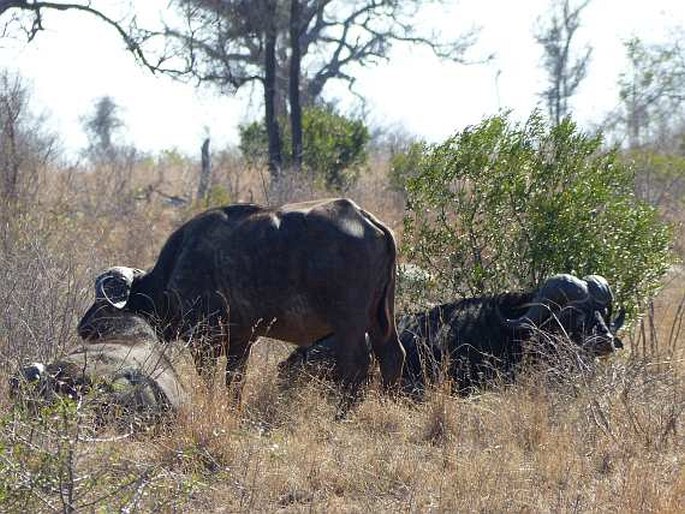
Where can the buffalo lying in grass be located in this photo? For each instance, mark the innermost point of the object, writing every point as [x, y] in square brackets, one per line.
[475, 340]
[122, 371]
[296, 273]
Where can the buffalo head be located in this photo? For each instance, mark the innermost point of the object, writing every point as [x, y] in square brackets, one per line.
[579, 308]
[112, 294]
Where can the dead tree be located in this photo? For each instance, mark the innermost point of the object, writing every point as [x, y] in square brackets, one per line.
[205, 172]
[564, 73]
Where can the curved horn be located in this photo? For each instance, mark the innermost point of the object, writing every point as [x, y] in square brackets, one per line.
[616, 325]
[114, 285]
[602, 295]
[558, 291]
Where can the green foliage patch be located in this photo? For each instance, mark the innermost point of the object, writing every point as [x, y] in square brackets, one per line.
[405, 164]
[334, 146]
[503, 205]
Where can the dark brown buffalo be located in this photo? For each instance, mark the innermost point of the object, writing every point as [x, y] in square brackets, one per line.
[297, 273]
[124, 372]
[476, 339]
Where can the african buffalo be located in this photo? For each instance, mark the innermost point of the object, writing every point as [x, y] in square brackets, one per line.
[475, 339]
[122, 368]
[297, 273]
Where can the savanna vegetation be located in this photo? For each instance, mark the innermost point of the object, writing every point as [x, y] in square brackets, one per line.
[605, 437]
[499, 205]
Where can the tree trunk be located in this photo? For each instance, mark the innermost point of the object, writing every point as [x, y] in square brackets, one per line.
[294, 84]
[272, 130]
[205, 172]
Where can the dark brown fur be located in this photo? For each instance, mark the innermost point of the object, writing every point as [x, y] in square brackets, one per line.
[468, 341]
[297, 273]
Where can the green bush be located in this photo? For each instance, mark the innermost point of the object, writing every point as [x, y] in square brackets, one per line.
[503, 206]
[334, 146]
[660, 177]
[253, 142]
[405, 164]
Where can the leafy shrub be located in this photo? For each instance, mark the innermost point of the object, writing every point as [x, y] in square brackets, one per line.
[660, 180]
[253, 142]
[334, 146]
[503, 205]
[405, 164]
[217, 196]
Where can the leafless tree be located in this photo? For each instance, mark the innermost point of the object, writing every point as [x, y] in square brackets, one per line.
[555, 33]
[205, 172]
[25, 147]
[293, 48]
[652, 108]
[297, 45]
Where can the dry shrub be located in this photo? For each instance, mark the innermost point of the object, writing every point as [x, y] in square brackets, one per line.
[56, 461]
[40, 285]
[660, 332]
[441, 423]
[611, 442]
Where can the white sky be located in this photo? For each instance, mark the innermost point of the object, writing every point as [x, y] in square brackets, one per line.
[79, 59]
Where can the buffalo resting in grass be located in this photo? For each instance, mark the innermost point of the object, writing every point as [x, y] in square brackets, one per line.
[122, 370]
[474, 340]
[298, 273]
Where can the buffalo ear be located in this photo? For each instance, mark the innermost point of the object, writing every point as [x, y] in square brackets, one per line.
[618, 321]
[114, 285]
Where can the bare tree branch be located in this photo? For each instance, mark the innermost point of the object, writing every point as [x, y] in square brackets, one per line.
[363, 34]
[652, 103]
[555, 35]
[36, 9]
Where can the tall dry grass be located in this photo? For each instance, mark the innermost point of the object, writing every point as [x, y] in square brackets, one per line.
[609, 440]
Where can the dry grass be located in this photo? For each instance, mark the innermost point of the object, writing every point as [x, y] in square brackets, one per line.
[611, 443]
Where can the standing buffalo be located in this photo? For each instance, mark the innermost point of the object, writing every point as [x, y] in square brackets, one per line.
[297, 273]
[476, 339]
[122, 369]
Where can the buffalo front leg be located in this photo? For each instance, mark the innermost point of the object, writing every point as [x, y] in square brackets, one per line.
[353, 360]
[236, 365]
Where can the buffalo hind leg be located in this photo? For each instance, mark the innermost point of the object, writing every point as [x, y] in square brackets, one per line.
[390, 354]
